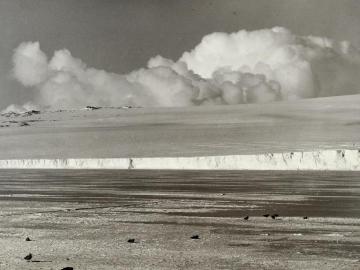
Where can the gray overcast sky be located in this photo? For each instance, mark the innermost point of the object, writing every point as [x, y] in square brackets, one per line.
[121, 35]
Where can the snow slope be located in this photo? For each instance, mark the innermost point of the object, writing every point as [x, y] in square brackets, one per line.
[297, 126]
[316, 160]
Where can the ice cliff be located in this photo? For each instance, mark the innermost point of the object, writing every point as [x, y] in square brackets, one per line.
[71, 163]
[348, 160]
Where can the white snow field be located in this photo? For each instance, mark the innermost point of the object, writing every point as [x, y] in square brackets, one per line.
[320, 133]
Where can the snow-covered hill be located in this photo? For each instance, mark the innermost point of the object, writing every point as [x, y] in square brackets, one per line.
[296, 126]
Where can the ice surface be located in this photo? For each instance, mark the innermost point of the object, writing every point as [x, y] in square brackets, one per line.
[84, 218]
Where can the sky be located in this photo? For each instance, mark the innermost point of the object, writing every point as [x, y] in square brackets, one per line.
[121, 35]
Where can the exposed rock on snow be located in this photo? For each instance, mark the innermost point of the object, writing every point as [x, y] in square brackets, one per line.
[348, 160]
[17, 114]
[92, 108]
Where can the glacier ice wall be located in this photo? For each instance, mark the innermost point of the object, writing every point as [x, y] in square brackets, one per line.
[71, 163]
[348, 160]
[315, 160]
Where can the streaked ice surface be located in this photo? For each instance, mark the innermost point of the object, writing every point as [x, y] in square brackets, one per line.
[304, 125]
[317, 193]
[83, 218]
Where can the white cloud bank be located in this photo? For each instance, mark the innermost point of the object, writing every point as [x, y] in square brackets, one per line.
[243, 67]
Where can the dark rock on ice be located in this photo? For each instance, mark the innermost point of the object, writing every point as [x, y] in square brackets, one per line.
[28, 257]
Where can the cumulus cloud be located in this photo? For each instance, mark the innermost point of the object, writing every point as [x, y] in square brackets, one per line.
[30, 64]
[243, 67]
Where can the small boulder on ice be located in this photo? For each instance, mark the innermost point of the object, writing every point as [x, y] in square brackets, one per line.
[28, 257]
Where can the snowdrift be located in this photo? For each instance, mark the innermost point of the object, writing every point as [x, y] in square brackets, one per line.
[343, 160]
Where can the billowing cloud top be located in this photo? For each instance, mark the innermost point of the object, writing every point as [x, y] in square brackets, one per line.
[242, 67]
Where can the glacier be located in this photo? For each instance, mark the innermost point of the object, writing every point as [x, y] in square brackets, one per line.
[342, 160]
